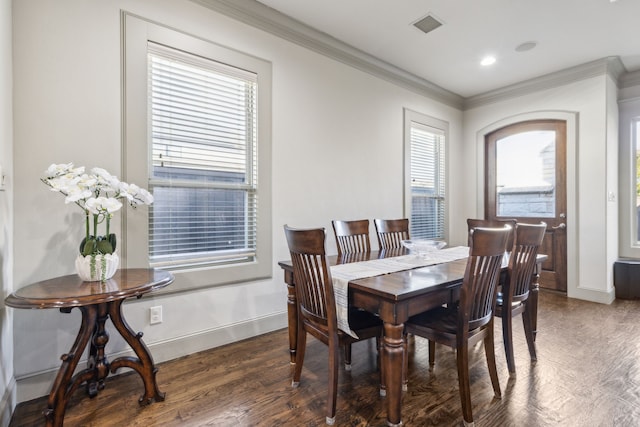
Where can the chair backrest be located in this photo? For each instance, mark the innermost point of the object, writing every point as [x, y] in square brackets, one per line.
[391, 232]
[522, 261]
[493, 223]
[314, 286]
[352, 236]
[478, 292]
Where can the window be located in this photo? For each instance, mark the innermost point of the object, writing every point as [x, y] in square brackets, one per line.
[425, 175]
[197, 132]
[635, 147]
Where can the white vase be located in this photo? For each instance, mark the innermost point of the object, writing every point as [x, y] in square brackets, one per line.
[93, 268]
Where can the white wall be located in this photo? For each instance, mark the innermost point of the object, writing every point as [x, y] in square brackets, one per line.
[7, 380]
[592, 173]
[337, 153]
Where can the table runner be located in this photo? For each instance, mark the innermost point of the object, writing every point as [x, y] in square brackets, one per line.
[342, 274]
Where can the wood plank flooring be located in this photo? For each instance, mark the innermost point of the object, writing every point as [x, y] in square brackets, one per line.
[587, 374]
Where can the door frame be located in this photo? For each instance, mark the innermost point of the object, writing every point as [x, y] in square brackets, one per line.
[573, 219]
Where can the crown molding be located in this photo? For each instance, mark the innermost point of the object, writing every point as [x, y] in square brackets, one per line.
[265, 18]
[630, 79]
[270, 20]
[611, 66]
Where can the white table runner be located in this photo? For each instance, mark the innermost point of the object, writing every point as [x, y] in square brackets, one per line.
[342, 274]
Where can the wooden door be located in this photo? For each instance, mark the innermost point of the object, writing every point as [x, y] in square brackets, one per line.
[525, 179]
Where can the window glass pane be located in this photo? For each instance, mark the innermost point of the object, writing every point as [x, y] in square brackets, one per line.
[203, 174]
[636, 144]
[525, 175]
[427, 183]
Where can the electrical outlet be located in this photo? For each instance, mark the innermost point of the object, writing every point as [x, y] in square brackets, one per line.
[155, 315]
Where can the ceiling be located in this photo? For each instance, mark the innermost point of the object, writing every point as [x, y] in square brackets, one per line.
[568, 33]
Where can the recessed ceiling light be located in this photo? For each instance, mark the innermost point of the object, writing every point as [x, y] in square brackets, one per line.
[523, 47]
[488, 60]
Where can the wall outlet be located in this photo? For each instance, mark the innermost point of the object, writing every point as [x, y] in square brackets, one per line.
[155, 315]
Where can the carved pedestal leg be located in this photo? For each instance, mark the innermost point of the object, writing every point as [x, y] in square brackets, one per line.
[63, 386]
[97, 362]
[143, 365]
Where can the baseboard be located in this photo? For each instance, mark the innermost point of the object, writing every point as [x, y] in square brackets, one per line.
[7, 403]
[39, 384]
[593, 295]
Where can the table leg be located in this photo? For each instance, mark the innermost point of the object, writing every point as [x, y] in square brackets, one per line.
[65, 383]
[393, 358]
[532, 301]
[143, 364]
[292, 312]
[97, 362]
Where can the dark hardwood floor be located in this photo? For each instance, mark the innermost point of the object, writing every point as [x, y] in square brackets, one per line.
[587, 374]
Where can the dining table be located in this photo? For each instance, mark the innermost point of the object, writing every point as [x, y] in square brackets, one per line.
[395, 297]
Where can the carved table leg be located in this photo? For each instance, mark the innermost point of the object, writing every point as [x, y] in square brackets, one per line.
[393, 358]
[63, 385]
[97, 362]
[143, 365]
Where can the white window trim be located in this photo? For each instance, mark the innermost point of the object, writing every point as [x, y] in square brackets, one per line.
[432, 122]
[629, 111]
[136, 161]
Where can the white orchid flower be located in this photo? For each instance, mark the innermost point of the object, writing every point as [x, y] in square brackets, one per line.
[135, 195]
[102, 205]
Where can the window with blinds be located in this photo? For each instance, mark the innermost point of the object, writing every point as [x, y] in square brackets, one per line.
[203, 174]
[427, 181]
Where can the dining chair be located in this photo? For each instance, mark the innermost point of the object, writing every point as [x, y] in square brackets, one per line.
[317, 308]
[391, 232]
[473, 223]
[352, 236]
[512, 300]
[461, 325]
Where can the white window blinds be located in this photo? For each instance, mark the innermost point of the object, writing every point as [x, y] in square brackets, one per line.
[203, 154]
[427, 182]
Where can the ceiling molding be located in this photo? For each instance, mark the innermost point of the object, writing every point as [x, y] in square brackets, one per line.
[270, 20]
[611, 66]
[630, 79]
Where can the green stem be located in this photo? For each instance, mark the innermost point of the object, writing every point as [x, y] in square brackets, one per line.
[95, 226]
[108, 215]
[86, 222]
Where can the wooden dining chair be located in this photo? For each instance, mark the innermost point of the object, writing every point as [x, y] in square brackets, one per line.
[352, 236]
[317, 308]
[461, 325]
[391, 232]
[512, 300]
[491, 223]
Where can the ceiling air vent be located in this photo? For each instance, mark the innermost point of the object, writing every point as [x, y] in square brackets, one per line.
[427, 24]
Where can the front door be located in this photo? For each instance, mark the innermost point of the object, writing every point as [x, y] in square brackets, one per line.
[525, 179]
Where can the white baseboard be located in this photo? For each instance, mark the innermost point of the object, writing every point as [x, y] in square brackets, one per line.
[39, 384]
[7, 403]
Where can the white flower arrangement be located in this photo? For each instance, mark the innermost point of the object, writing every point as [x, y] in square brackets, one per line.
[98, 194]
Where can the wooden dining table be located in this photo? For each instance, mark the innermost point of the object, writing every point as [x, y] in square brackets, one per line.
[395, 297]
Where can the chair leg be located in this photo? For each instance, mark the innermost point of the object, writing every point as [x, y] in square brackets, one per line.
[507, 337]
[383, 382]
[528, 332]
[490, 351]
[301, 348]
[405, 363]
[347, 357]
[334, 362]
[462, 358]
[432, 355]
